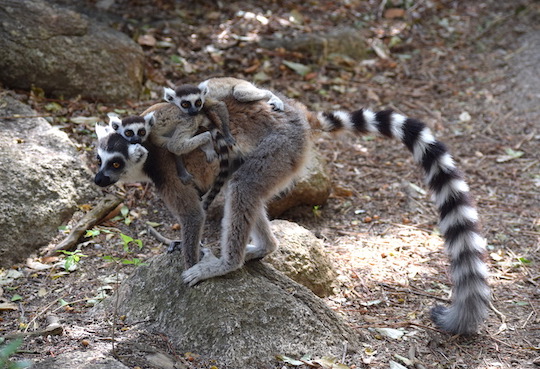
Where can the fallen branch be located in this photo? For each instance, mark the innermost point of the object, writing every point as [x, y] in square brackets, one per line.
[54, 328]
[93, 217]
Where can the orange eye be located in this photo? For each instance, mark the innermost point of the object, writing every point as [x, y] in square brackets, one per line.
[116, 165]
[185, 104]
[142, 132]
[198, 103]
[129, 133]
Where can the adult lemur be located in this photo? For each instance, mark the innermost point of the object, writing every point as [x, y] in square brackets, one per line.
[276, 146]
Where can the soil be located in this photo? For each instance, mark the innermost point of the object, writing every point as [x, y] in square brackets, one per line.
[462, 67]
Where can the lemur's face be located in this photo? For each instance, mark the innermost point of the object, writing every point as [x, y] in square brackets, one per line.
[135, 129]
[119, 160]
[190, 99]
[191, 104]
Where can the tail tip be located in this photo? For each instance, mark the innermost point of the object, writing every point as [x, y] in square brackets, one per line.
[445, 319]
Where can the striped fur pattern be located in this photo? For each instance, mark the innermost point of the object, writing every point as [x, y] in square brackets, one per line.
[458, 217]
[226, 166]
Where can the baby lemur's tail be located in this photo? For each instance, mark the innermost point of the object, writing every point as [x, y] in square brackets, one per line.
[458, 216]
[229, 157]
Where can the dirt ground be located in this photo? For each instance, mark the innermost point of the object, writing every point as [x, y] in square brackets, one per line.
[458, 66]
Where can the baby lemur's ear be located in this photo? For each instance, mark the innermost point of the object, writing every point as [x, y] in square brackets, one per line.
[102, 131]
[114, 121]
[168, 94]
[203, 86]
[150, 119]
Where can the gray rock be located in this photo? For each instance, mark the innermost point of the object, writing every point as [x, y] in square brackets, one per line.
[66, 54]
[312, 188]
[344, 41]
[42, 179]
[81, 360]
[301, 256]
[241, 320]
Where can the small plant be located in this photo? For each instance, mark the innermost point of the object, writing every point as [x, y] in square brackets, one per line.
[126, 242]
[124, 216]
[8, 350]
[72, 258]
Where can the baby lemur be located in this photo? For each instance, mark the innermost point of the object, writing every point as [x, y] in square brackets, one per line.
[276, 146]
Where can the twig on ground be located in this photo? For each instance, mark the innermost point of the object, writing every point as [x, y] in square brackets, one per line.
[93, 217]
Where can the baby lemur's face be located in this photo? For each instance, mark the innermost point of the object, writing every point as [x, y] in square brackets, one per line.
[135, 129]
[189, 98]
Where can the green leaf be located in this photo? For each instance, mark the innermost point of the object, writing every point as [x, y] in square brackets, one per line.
[524, 260]
[16, 298]
[63, 302]
[154, 224]
[92, 233]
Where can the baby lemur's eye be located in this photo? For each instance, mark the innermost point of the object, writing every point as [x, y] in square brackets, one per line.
[198, 103]
[116, 165]
[141, 132]
[185, 104]
[99, 160]
[129, 133]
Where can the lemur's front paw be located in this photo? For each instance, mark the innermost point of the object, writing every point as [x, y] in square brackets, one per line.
[276, 103]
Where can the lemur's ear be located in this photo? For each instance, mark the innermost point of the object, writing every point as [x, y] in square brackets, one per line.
[114, 121]
[150, 119]
[168, 94]
[137, 152]
[203, 86]
[102, 131]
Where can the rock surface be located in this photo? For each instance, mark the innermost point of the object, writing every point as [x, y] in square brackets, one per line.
[312, 188]
[41, 182]
[301, 256]
[242, 320]
[66, 54]
[343, 41]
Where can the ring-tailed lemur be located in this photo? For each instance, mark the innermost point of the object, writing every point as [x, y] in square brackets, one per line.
[276, 147]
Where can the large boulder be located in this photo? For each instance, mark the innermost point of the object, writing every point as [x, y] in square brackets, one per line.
[66, 54]
[41, 182]
[302, 257]
[241, 320]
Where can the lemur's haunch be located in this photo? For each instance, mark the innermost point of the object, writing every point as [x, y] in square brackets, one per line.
[276, 146]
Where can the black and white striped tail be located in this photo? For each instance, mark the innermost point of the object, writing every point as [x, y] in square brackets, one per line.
[226, 165]
[458, 216]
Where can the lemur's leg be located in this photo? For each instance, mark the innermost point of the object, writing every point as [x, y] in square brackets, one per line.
[247, 92]
[218, 114]
[186, 145]
[265, 171]
[262, 238]
[184, 175]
